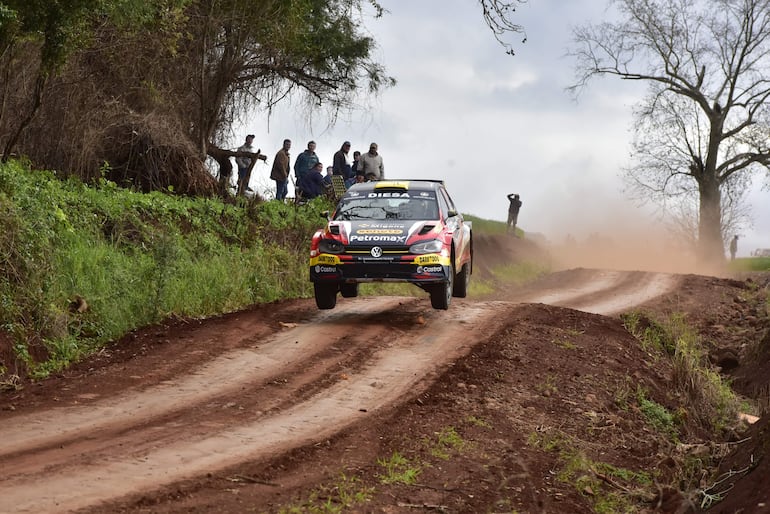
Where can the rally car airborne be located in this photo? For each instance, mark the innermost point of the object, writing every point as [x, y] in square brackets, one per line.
[393, 231]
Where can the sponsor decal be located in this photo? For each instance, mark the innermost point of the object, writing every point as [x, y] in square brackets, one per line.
[430, 269]
[427, 259]
[325, 269]
[377, 239]
[380, 231]
[392, 183]
[388, 195]
[328, 259]
[391, 226]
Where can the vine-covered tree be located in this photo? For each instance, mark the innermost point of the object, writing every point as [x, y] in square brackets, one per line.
[145, 97]
[703, 129]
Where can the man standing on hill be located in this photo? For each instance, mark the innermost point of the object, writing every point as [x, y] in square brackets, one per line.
[244, 163]
[305, 161]
[341, 163]
[280, 171]
[733, 247]
[371, 165]
[513, 212]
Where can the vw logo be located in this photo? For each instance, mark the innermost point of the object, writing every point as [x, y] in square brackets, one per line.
[376, 251]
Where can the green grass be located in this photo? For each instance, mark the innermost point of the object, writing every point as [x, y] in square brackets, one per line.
[750, 264]
[706, 397]
[341, 496]
[135, 259]
[447, 442]
[399, 470]
[590, 477]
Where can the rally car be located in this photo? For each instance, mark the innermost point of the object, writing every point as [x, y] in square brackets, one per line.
[393, 231]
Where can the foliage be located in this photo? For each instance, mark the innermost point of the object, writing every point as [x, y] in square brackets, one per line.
[706, 398]
[657, 415]
[702, 129]
[133, 259]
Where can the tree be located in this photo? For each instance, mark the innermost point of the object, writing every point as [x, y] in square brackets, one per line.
[247, 54]
[56, 30]
[151, 94]
[704, 125]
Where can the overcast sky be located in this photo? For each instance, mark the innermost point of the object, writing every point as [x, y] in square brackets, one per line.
[490, 124]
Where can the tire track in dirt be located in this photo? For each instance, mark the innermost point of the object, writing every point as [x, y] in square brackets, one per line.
[93, 453]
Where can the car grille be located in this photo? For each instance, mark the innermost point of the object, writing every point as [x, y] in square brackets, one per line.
[386, 250]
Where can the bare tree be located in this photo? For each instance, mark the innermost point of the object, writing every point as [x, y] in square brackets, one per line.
[703, 127]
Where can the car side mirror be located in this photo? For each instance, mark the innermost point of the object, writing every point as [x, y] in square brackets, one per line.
[451, 214]
[325, 215]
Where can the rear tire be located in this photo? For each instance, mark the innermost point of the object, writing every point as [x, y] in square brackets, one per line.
[441, 294]
[461, 281]
[325, 295]
[349, 290]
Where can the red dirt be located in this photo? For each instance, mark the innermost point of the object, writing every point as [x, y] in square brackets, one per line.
[284, 406]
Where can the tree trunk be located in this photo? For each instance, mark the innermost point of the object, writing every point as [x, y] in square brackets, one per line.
[710, 251]
[37, 101]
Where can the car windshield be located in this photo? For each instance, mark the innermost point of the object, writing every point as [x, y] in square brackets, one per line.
[379, 208]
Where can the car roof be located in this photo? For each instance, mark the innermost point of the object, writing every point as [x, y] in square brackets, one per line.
[401, 185]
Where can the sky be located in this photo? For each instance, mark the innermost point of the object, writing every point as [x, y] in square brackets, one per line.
[490, 124]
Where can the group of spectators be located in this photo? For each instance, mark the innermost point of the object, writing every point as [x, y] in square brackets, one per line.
[308, 169]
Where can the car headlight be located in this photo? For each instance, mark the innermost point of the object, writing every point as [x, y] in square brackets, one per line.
[330, 246]
[434, 246]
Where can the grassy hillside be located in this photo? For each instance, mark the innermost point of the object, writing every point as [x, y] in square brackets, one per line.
[82, 265]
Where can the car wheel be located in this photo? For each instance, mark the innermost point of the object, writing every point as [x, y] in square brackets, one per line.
[441, 294]
[325, 295]
[349, 290]
[461, 281]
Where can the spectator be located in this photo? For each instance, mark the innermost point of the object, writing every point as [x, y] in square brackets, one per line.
[733, 247]
[341, 163]
[312, 182]
[305, 161]
[355, 168]
[328, 176]
[243, 164]
[513, 212]
[280, 171]
[371, 164]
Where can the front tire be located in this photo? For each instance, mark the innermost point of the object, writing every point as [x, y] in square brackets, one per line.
[325, 295]
[441, 294]
[462, 280]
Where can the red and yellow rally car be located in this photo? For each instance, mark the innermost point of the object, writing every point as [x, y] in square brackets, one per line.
[393, 231]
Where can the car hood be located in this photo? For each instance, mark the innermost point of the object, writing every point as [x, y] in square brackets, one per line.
[384, 232]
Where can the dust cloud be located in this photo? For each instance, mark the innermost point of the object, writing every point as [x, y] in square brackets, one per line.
[619, 241]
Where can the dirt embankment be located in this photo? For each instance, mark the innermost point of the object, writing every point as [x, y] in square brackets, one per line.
[487, 403]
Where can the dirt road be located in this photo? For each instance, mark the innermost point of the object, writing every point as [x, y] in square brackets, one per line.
[190, 400]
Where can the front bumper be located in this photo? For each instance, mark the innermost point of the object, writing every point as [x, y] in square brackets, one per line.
[405, 268]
